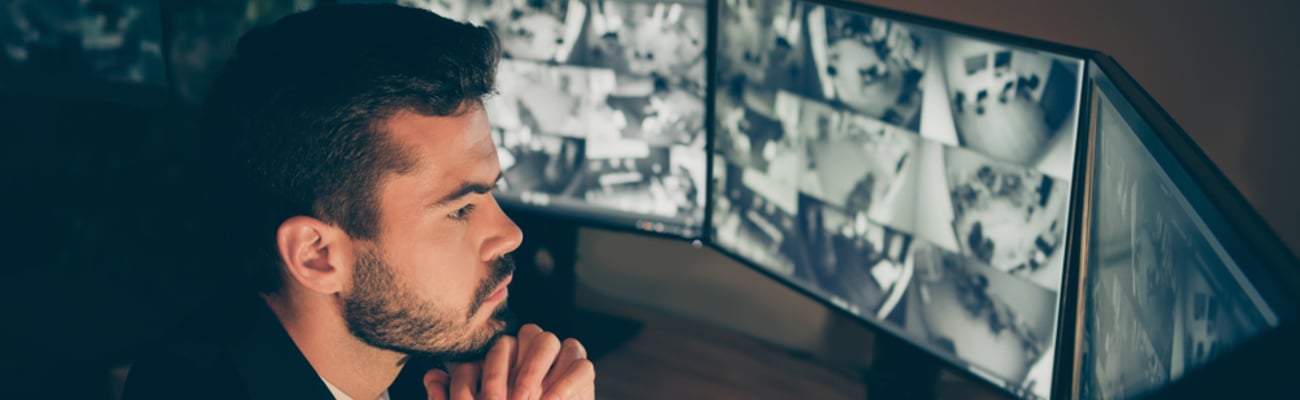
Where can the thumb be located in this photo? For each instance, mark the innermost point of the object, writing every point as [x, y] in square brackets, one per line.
[435, 383]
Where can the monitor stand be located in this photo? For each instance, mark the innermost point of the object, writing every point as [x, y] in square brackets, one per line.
[545, 285]
[900, 371]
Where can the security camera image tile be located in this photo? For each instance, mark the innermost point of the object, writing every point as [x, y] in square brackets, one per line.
[870, 65]
[1006, 216]
[1009, 103]
[1001, 324]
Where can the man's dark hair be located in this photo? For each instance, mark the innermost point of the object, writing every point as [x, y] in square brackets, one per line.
[294, 125]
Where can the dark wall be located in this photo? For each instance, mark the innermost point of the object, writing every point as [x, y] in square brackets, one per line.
[99, 235]
[101, 231]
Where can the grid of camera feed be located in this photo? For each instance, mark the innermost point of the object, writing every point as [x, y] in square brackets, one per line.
[118, 41]
[600, 107]
[1161, 296]
[915, 177]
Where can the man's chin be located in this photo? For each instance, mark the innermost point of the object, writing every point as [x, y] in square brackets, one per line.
[502, 322]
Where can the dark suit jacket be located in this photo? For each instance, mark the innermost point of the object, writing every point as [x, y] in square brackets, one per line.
[243, 353]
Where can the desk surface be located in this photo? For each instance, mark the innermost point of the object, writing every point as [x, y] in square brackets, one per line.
[680, 358]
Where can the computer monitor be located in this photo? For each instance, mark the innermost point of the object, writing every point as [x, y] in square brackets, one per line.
[914, 174]
[1175, 270]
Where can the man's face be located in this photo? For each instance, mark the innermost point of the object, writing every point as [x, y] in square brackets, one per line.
[433, 282]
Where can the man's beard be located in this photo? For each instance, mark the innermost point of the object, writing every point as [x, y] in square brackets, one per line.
[384, 314]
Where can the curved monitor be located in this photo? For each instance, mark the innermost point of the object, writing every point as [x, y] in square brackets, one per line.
[1171, 276]
[914, 176]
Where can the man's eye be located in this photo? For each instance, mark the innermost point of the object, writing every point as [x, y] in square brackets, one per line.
[462, 213]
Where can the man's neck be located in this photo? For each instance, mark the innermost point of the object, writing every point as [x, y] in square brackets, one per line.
[316, 325]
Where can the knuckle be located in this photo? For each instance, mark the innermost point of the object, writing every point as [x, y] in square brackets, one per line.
[491, 395]
[529, 330]
[530, 372]
[526, 388]
[503, 343]
[571, 343]
[493, 374]
[462, 369]
[550, 340]
[586, 367]
[492, 391]
[575, 348]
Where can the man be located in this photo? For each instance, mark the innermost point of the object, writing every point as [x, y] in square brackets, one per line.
[351, 170]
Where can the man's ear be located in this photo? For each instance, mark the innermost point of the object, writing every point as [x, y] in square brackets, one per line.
[315, 254]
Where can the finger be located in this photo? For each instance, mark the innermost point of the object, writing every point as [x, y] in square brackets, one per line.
[578, 382]
[435, 383]
[496, 369]
[571, 351]
[537, 362]
[525, 336]
[464, 381]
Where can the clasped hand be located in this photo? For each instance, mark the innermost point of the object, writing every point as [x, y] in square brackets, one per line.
[534, 366]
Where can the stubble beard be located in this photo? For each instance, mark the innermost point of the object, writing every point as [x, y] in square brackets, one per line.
[385, 314]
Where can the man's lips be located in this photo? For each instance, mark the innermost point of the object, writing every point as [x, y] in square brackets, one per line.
[502, 291]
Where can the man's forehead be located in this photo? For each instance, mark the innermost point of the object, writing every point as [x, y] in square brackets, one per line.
[448, 152]
[442, 143]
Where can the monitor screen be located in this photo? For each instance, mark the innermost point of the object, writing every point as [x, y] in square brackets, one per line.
[913, 176]
[600, 109]
[1162, 292]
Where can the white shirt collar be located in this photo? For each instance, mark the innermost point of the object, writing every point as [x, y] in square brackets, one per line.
[339, 395]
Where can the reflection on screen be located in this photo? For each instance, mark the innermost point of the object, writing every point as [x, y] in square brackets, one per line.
[1161, 296]
[600, 107]
[914, 177]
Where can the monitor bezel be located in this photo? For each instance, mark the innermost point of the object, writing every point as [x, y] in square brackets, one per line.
[959, 366]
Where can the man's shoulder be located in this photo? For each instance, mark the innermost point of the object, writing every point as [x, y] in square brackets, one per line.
[197, 360]
[239, 351]
[187, 370]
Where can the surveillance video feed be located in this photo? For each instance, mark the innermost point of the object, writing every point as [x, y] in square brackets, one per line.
[109, 40]
[1003, 215]
[1012, 104]
[1161, 296]
[1001, 324]
[843, 164]
[600, 111]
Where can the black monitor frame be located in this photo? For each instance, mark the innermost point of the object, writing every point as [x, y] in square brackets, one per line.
[1264, 260]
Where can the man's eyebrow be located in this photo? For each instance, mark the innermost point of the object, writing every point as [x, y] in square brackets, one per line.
[465, 189]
